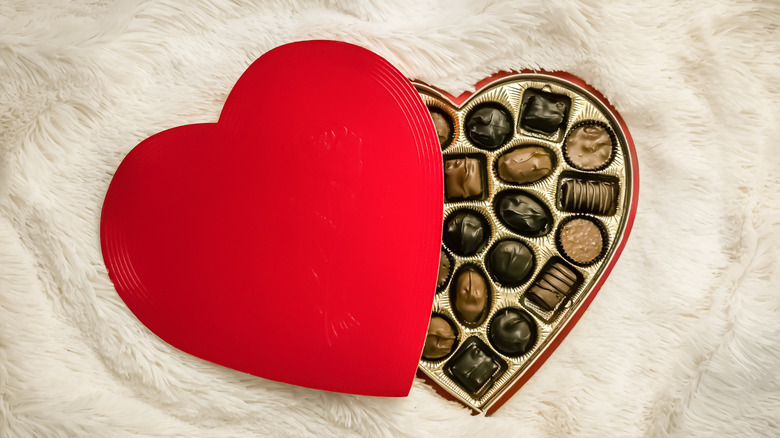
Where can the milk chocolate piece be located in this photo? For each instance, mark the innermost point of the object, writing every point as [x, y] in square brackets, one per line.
[554, 284]
[462, 178]
[544, 113]
[440, 339]
[525, 165]
[442, 125]
[523, 214]
[474, 368]
[581, 240]
[489, 127]
[511, 262]
[444, 270]
[588, 147]
[465, 233]
[512, 332]
[471, 295]
[589, 196]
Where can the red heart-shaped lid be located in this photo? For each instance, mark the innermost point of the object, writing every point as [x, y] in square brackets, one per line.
[298, 238]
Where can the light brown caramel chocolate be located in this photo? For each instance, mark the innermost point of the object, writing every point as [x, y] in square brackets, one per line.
[462, 178]
[552, 286]
[588, 147]
[471, 294]
[442, 126]
[588, 196]
[440, 339]
[525, 165]
[581, 240]
[444, 269]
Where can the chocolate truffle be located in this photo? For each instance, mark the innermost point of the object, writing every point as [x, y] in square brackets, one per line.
[489, 127]
[511, 262]
[589, 196]
[465, 233]
[554, 284]
[523, 214]
[474, 368]
[440, 339]
[471, 295]
[581, 240]
[462, 178]
[512, 332]
[544, 113]
[442, 125]
[525, 165]
[444, 269]
[588, 147]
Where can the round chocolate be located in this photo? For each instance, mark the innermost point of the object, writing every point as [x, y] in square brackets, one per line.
[511, 262]
[523, 214]
[443, 126]
[512, 332]
[471, 295]
[525, 165]
[444, 270]
[489, 127]
[465, 233]
[588, 147]
[440, 339]
[581, 240]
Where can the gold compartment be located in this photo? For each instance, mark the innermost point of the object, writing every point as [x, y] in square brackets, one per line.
[508, 91]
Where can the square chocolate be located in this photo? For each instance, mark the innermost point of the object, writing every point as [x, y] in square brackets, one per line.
[463, 178]
[544, 112]
[475, 367]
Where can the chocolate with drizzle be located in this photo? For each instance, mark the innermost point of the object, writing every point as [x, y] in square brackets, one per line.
[589, 196]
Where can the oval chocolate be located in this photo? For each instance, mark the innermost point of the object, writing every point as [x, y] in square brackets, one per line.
[525, 165]
[523, 213]
[511, 262]
[470, 295]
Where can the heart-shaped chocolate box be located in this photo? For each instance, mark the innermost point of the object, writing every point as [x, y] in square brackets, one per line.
[540, 194]
[299, 237]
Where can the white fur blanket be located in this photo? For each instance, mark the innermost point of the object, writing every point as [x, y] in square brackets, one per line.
[683, 339]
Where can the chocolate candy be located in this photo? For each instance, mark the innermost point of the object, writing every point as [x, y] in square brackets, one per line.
[523, 214]
[589, 196]
[440, 339]
[544, 112]
[525, 165]
[470, 295]
[444, 270]
[511, 262]
[588, 147]
[443, 126]
[555, 283]
[512, 332]
[489, 127]
[465, 233]
[581, 241]
[473, 367]
[462, 178]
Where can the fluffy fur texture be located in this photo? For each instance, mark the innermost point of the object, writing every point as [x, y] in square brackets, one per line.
[683, 339]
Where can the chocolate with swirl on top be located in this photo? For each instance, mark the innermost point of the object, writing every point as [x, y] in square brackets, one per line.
[589, 196]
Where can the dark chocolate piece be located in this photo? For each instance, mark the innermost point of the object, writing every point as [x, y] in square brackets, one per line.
[581, 240]
[553, 285]
[444, 269]
[489, 127]
[512, 332]
[440, 339]
[588, 147]
[544, 113]
[525, 165]
[523, 214]
[462, 178]
[471, 295]
[474, 368]
[465, 233]
[442, 125]
[589, 196]
[511, 262]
